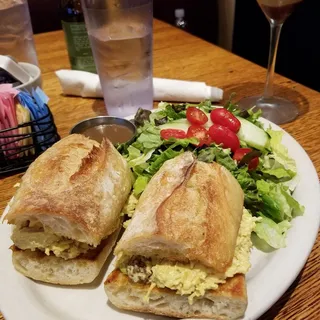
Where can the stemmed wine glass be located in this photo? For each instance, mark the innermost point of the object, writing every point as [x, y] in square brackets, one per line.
[275, 109]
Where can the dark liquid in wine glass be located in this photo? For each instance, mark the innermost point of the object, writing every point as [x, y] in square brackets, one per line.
[279, 12]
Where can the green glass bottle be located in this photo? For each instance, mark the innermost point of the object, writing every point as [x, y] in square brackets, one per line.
[78, 45]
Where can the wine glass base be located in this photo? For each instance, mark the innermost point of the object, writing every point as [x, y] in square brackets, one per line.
[275, 109]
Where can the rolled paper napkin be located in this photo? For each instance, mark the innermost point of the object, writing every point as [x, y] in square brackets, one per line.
[189, 91]
[80, 83]
[86, 84]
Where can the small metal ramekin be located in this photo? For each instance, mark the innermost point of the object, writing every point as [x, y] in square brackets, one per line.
[81, 126]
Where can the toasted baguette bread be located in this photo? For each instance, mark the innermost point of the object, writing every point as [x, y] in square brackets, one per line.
[189, 211]
[77, 188]
[83, 269]
[229, 301]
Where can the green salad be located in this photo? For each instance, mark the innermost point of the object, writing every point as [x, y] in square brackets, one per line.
[233, 138]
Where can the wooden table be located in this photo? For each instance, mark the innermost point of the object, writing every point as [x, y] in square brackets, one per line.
[179, 55]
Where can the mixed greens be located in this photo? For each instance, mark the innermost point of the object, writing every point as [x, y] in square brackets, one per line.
[267, 186]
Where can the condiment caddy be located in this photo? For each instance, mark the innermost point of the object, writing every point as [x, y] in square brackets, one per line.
[27, 127]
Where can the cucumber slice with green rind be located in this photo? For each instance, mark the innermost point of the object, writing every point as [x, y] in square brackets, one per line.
[183, 124]
[252, 135]
[180, 124]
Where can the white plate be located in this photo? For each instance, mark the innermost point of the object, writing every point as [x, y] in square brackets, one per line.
[270, 276]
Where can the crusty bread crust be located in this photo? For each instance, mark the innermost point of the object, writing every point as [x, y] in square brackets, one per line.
[83, 269]
[229, 301]
[77, 188]
[194, 215]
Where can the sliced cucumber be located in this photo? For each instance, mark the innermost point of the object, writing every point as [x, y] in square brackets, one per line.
[183, 124]
[251, 134]
[180, 124]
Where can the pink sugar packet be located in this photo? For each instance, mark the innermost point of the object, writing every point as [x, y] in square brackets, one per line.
[8, 118]
[7, 87]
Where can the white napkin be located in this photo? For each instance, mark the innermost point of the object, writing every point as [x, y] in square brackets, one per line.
[86, 84]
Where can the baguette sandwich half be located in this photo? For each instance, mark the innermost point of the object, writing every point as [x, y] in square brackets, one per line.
[66, 212]
[186, 250]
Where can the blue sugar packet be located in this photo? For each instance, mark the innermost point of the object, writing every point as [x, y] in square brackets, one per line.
[41, 100]
[27, 101]
[40, 96]
[36, 103]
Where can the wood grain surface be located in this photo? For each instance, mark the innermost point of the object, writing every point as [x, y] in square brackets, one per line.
[179, 55]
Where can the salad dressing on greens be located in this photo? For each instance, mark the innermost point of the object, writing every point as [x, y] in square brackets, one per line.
[253, 154]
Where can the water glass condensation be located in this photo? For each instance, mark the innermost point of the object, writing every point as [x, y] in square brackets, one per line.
[16, 35]
[120, 33]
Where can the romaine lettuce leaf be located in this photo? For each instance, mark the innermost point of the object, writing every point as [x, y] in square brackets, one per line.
[174, 115]
[159, 115]
[224, 158]
[252, 200]
[139, 170]
[207, 155]
[149, 138]
[173, 111]
[278, 204]
[274, 170]
[143, 158]
[184, 143]
[275, 203]
[140, 184]
[279, 174]
[219, 155]
[253, 117]
[245, 179]
[158, 160]
[280, 152]
[297, 208]
[206, 106]
[274, 234]
[133, 153]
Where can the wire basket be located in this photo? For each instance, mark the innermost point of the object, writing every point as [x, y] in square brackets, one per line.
[17, 151]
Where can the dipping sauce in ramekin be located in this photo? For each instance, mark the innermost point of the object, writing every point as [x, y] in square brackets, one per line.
[117, 130]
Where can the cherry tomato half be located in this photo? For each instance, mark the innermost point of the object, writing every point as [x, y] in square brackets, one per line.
[201, 134]
[223, 135]
[225, 118]
[196, 116]
[253, 164]
[172, 133]
[241, 152]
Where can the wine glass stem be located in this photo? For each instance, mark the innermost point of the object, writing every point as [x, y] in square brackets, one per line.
[275, 30]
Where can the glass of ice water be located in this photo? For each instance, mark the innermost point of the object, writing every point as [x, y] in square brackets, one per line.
[16, 35]
[120, 33]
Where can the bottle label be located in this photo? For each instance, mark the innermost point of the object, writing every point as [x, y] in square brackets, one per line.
[79, 50]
